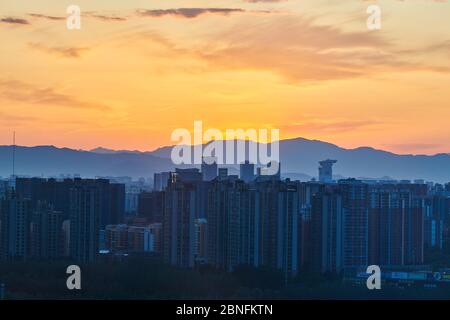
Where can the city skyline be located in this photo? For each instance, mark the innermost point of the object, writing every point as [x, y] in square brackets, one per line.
[273, 228]
[136, 71]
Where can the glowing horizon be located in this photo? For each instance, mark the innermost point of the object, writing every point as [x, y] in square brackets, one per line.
[136, 71]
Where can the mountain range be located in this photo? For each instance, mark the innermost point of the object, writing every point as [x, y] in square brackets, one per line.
[299, 160]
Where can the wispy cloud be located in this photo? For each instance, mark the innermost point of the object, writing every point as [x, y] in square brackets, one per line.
[187, 12]
[20, 92]
[12, 20]
[440, 47]
[104, 17]
[292, 47]
[66, 52]
[88, 14]
[300, 50]
[44, 16]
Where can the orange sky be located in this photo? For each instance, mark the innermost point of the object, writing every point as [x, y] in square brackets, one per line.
[137, 70]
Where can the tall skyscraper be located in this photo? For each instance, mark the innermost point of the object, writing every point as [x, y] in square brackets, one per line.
[304, 238]
[279, 214]
[247, 171]
[47, 237]
[355, 221]
[180, 209]
[327, 231]
[396, 222]
[85, 211]
[326, 170]
[15, 216]
[307, 192]
[288, 215]
[233, 225]
[224, 231]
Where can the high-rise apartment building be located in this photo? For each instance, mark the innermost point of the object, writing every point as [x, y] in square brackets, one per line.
[327, 231]
[85, 212]
[15, 217]
[47, 237]
[224, 224]
[279, 214]
[180, 209]
[396, 224]
[355, 199]
[57, 194]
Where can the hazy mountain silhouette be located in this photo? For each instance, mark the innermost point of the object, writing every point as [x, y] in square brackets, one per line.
[49, 160]
[299, 159]
[101, 150]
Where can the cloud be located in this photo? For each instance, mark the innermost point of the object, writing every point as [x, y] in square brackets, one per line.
[300, 50]
[12, 20]
[17, 91]
[66, 52]
[104, 17]
[440, 47]
[187, 12]
[92, 14]
[297, 49]
[293, 47]
[44, 16]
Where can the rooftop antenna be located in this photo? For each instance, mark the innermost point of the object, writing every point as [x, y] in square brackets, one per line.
[14, 155]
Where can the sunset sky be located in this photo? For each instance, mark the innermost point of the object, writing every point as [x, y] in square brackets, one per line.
[139, 69]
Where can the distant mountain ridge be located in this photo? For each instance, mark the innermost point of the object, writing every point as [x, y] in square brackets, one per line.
[299, 157]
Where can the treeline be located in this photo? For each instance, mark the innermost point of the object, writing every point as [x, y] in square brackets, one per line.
[133, 278]
[143, 278]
